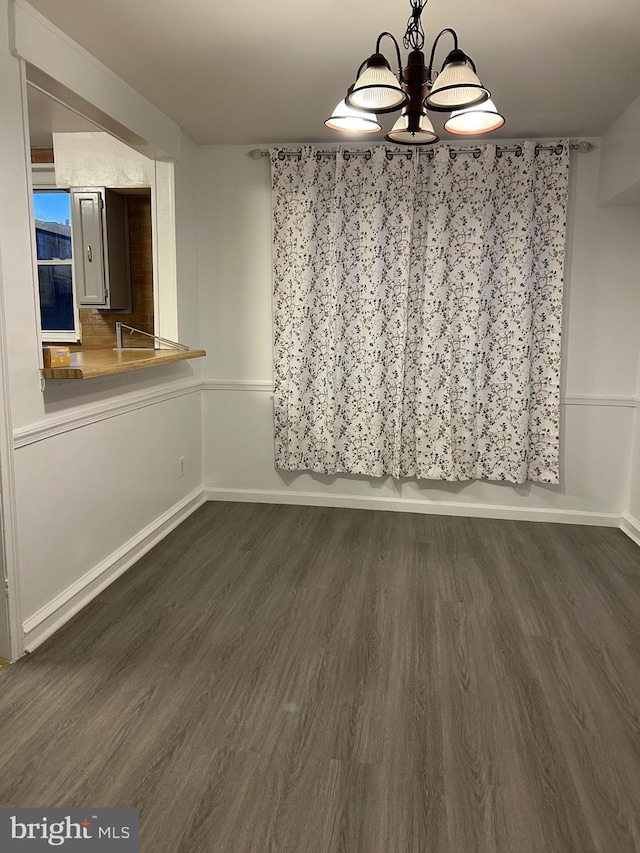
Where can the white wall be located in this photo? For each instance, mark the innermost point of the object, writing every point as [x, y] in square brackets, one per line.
[600, 344]
[85, 493]
[619, 185]
[96, 462]
[620, 165]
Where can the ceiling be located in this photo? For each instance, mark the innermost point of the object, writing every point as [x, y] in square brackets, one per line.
[257, 73]
[47, 116]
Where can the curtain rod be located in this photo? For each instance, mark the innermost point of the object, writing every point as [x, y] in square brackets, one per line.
[582, 147]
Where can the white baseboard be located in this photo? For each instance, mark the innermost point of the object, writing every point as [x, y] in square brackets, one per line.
[42, 624]
[59, 610]
[470, 510]
[630, 526]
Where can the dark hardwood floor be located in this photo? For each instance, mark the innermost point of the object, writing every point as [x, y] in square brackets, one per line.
[279, 679]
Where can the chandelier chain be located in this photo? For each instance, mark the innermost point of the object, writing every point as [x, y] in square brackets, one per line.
[414, 36]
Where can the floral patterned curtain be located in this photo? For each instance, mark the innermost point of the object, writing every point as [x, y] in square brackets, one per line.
[417, 312]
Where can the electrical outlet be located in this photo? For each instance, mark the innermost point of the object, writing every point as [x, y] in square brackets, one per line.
[181, 467]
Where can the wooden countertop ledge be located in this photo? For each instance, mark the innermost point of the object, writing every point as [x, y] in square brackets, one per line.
[102, 362]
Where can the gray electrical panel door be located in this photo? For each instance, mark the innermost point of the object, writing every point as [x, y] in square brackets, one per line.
[88, 250]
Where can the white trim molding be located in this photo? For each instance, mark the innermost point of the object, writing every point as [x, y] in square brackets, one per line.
[85, 415]
[9, 556]
[599, 400]
[630, 526]
[38, 627]
[238, 385]
[469, 510]
[267, 386]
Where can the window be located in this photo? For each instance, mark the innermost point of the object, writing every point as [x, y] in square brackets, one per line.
[52, 214]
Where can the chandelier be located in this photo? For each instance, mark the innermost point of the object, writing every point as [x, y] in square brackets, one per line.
[455, 89]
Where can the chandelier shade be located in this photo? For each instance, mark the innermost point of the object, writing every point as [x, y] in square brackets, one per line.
[377, 88]
[418, 131]
[476, 120]
[457, 86]
[352, 121]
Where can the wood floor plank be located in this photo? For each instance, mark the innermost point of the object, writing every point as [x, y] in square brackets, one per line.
[315, 680]
[608, 810]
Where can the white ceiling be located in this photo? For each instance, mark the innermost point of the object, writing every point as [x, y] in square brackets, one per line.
[249, 72]
[47, 116]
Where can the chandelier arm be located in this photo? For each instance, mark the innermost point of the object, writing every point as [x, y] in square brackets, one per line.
[397, 46]
[435, 45]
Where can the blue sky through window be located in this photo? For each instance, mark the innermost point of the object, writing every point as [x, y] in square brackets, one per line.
[52, 207]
